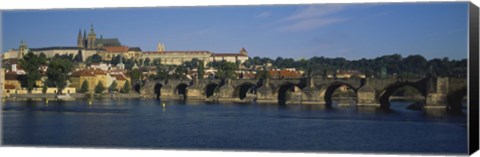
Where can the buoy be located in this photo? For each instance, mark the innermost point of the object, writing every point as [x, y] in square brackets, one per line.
[90, 102]
[163, 105]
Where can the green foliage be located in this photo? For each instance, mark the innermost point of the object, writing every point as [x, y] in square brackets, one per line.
[225, 69]
[136, 75]
[84, 88]
[78, 57]
[146, 62]
[94, 59]
[44, 88]
[263, 74]
[113, 86]
[200, 70]
[126, 87]
[30, 63]
[99, 88]
[58, 72]
[115, 60]
[408, 67]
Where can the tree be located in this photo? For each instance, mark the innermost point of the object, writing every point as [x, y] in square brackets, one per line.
[58, 72]
[113, 86]
[94, 59]
[30, 63]
[44, 88]
[84, 87]
[78, 57]
[146, 62]
[115, 60]
[99, 88]
[136, 75]
[200, 70]
[126, 87]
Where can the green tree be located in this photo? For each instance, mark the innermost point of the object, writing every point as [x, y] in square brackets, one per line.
[84, 88]
[200, 70]
[113, 86]
[58, 72]
[30, 63]
[94, 59]
[136, 75]
[99, 88]
[44, 88]
[146, 62]
[126, 87]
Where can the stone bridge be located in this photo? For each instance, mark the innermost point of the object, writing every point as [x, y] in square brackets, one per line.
[439, 92]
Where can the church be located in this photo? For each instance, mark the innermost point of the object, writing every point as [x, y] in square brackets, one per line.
[92, 42]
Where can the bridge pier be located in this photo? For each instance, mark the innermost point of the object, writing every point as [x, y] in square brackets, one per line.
[367, 96]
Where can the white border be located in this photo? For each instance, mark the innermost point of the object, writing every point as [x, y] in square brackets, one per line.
[56, 4]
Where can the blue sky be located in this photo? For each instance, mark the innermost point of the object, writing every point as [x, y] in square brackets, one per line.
[352, 31]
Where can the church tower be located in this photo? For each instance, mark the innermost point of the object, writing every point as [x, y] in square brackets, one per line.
[80, 42]
[91, 38]
[22, 50]
[160, 47]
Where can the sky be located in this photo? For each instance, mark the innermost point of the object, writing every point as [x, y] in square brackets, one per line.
[352, 31]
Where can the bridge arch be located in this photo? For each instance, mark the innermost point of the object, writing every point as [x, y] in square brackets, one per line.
[331, 88]
[244, 88]
[181, 90]
[210, 89]
[282, 92]
[384, 96]
[157, 89]
[454, 100]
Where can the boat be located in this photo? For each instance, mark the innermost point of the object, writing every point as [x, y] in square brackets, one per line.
[64, 97]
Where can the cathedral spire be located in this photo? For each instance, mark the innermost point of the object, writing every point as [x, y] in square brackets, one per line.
[80, 39]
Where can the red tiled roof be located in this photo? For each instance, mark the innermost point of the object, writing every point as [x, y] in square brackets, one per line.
[9, 86]
[89, 72]
[119, 76]
[116, 49]
[10, 75]
[284, 73]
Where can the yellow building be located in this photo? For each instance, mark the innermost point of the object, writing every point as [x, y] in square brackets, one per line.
[92, 76]
[177, 57]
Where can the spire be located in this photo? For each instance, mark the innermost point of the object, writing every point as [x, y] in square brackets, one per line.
[84, 34]
[92, 32]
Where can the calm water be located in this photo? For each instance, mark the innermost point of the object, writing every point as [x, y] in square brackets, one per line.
[146, 124]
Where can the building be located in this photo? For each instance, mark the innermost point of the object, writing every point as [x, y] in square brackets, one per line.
[285, 74]
[177, 57]
[95, 75]
[2, 82]
[108, 53]
[345, 74]
[239, 58]
[92, 42]
[92, 76]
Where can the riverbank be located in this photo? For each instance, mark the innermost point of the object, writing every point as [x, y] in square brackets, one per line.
[74, 97]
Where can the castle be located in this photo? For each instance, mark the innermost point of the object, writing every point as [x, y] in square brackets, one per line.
[92, 42]
[89, 45]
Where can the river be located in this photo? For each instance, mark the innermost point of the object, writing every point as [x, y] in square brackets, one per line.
[137, 123]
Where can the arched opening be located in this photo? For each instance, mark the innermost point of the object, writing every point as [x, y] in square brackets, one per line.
[158, 90]
[137, 87]
[341, 92]
[181, 90]
[245, 89]
[285, 93]
[406, 92]
[457, 101]
[210, 89]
